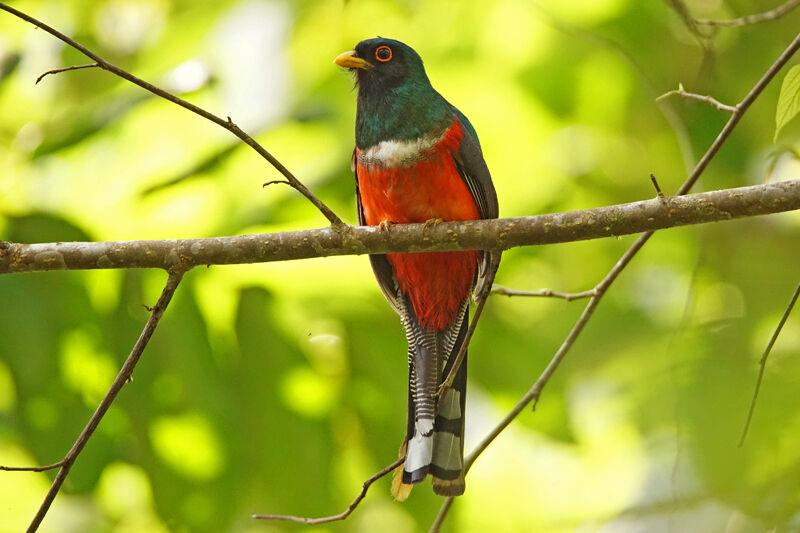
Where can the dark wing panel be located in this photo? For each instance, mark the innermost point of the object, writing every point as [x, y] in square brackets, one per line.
[380, 265]
[473, 169]
[475, 173]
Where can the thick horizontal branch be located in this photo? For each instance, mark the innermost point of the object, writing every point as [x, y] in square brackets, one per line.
[499, 234]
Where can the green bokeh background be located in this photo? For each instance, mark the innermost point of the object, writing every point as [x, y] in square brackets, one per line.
[279, 388]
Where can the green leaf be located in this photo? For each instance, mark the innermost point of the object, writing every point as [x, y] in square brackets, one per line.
[789, 100]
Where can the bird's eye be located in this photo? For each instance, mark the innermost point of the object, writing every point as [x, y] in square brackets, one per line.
[383, 54]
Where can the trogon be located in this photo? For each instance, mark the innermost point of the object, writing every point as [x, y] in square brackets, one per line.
[417, 159]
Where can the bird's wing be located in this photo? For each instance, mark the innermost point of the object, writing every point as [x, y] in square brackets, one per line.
[473, 170]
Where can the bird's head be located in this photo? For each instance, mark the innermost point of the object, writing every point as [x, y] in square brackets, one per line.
[383, 64]
[395, 97]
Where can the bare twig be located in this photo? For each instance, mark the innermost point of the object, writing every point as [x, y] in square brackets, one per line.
[462, 352]
[544, 293]
[659, 192]
[441, 515]
[490, 234]
[273, 182]
[344, 514]
[32, 468]
[125, 372]
[535, 391]
[65, 69]
[763, 363]
[227, 123]
[680, 91]
[766, 16]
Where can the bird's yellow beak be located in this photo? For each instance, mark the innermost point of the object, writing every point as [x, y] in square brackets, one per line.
[349, 59]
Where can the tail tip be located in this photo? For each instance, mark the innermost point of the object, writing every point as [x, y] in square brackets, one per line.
[400, 490]
[449, 487]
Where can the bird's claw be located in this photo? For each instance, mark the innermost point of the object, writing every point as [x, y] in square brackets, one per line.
[431, 222]
[384, 225]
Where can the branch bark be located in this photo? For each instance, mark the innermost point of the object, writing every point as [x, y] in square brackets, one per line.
[496, 234]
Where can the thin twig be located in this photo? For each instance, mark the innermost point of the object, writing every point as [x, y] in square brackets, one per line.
[125, 372]
[772, 14]
[762, 364]
[32, 468]
[462, 352]
[344, 514]
[544, 293]
[654, 181]
[441, 515]
[228, 124]
[535, 391]
[73, 67]
[680, 91]
[273, 182]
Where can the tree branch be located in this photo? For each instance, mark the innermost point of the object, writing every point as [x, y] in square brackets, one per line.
[124, 375]
[65, 69]
[225, 123]
[544, 293]
[494, 234]
[680, 91]
[44, 468]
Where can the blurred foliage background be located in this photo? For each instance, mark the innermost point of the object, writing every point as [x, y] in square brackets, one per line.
[279, 388]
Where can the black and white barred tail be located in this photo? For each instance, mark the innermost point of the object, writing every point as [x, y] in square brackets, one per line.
[434, 441]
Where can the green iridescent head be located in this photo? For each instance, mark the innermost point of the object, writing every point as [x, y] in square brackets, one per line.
[395, 97]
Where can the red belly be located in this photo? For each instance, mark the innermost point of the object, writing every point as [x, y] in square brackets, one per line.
[435, 282]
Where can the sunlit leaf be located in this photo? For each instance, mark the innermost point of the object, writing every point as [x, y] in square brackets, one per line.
[789, 99]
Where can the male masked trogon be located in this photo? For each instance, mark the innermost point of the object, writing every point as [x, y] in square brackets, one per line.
[417, 159]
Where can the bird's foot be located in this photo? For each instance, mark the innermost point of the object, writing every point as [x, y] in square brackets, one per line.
[431, 222]
[384, 225]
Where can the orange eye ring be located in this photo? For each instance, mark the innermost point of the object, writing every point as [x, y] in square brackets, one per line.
[383, 54]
